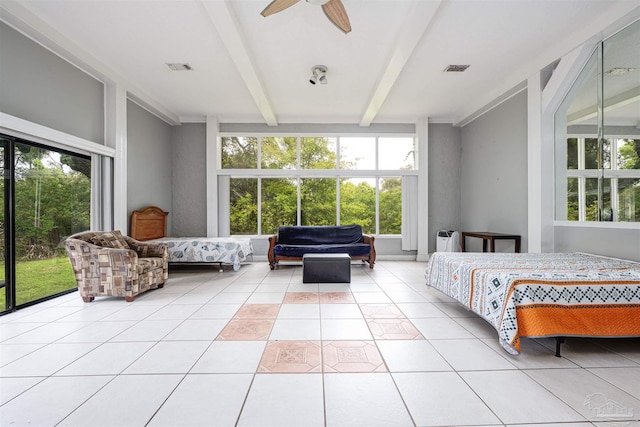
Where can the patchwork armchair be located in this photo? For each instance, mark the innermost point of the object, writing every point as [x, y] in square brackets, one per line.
[110, 264]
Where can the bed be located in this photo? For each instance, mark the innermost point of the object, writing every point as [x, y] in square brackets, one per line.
[542, 295]
[150, 224]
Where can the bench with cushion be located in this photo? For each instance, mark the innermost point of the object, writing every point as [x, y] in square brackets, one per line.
[292, 242]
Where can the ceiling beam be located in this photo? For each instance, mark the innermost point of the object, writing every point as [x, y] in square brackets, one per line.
[414, 28]
[226, 25]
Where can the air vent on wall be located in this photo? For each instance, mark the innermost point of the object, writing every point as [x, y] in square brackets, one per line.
[455, 68]
[177, 66]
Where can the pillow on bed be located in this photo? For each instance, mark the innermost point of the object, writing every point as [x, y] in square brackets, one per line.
[110, 239]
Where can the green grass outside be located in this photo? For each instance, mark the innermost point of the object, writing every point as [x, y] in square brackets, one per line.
[39, 279]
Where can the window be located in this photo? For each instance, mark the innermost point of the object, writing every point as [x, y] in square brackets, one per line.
[620, 180]
[597, 169]
[315, 180]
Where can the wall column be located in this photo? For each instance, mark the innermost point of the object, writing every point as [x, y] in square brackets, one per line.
[422, 132]
[116, 137]
[212, 176]
[534, 141]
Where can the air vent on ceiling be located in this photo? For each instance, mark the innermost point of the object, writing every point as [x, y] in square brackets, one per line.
[178, 66]
[455, 68]
[619, 71]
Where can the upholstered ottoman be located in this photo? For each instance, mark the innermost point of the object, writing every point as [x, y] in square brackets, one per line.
[326, 268]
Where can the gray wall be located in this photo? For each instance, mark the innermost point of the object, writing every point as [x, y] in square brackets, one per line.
[618, 243]
[493, 185]
[40, 87]
[189, 172]
[444, 180]
[148, 161]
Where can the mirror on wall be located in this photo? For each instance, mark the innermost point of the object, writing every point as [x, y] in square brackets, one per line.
[597, 136]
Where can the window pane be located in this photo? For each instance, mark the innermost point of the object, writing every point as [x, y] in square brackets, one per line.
[358, 153]
[629, 199]
[390, 205]
[318, 201]
[358, 203]
[279, 153]
[52, 201]
[279, 203]
[318, 153]
[396, 153]
[572, 153]
[591, 191]
[628, 154]
[243, 198]
[239, 153]
[591, 153]
[573, 211]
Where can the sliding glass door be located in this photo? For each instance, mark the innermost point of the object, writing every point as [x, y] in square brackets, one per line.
[4, 189]
[46, 197]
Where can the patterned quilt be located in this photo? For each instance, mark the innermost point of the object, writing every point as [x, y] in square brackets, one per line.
[226, 250]
[570, 294]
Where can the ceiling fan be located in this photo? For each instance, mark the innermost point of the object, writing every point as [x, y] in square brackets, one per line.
[334, 9]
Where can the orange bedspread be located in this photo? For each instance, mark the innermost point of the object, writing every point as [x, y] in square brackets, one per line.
[540, 295]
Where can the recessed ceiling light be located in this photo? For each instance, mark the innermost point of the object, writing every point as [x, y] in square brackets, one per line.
[619, 71]
[179, 66]
[455, 68]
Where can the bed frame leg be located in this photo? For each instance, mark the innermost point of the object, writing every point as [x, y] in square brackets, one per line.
[559, 341]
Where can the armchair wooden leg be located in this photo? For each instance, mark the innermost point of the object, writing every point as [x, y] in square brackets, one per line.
[129, 299]
[88, 299]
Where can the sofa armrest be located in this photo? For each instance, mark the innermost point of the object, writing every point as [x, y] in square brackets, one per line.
[273, 241]
[372, 255]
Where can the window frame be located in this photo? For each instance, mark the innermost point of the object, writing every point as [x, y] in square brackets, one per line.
[298, 173]
[612, 173]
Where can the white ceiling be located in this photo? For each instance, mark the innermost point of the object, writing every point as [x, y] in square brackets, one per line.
[247, 68]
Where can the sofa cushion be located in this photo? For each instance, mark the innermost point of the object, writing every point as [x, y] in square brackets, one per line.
[110, 239]
[355, 249]
[320, 235]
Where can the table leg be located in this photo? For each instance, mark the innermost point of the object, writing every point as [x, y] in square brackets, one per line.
[484, 245]
[493, 244]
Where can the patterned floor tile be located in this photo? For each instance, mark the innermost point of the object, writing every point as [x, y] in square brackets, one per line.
[352, 356]
[291, 357]
[336, 298]
[257, 311]
[381, 311]
[393, 329]
[301, 298]
[246, 330]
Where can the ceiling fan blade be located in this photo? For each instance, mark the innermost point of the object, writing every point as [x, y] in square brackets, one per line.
[337, 14]
[277, 6]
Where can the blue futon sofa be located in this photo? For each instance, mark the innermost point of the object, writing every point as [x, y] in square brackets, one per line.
[292, 242]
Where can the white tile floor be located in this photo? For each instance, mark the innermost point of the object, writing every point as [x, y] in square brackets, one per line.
[156, 361]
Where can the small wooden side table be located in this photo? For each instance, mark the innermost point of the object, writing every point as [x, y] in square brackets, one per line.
[491, 238]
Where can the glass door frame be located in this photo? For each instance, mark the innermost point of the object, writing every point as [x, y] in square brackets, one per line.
[8, 175]
[9, 304]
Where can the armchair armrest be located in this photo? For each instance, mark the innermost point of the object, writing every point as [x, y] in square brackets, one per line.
[148, 249]
[102, 271]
